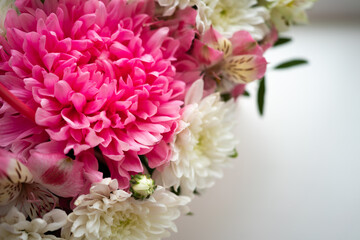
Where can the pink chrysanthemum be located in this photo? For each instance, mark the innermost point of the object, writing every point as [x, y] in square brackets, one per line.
[97, 73]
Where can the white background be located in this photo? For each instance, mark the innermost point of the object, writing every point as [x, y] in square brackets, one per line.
[298, 172]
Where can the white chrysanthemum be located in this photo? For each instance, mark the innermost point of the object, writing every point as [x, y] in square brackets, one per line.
[5, 5]
[203, 147]
[15, 226]
[171, 5]
[109, 213]
[230, 16]
[287, 12]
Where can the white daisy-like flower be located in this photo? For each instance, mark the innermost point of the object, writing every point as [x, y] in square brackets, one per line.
[109, 213]
[5, 5]
[15, 226]
[203, 146]
[287, 12]
[230, 16]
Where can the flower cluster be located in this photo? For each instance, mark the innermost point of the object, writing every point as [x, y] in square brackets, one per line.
[114, 113]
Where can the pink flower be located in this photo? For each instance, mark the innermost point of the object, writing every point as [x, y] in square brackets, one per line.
[59, 173]
[97, 73]
[229, 62]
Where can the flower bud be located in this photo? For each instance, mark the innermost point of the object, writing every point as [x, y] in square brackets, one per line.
[142, 186]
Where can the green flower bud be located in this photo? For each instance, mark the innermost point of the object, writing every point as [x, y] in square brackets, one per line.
[142, 186]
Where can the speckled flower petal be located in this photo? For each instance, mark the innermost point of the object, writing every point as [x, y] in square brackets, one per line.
[244, 68]
[12, 175]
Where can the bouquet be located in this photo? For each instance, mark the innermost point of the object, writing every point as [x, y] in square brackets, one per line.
[114, 114]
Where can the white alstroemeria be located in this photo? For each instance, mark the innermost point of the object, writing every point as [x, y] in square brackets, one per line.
[287, 12]
[17, 188]
[203, 146]
[5, 5]
[108, 213]
[15, 226]
[230, 16]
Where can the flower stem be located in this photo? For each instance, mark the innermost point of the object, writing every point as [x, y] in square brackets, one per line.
[16, 103]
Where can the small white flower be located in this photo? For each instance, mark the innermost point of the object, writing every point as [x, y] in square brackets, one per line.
[15, 226]
[5, 5]
[203, 146]
[109, 213]
[287, 12]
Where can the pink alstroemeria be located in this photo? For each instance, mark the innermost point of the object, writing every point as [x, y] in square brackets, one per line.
[270, 39]
[17, 188]
[59, 173]
[229, 62]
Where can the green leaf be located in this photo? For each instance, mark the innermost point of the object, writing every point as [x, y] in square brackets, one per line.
[177, 192]
[246, 94]
[291, 63]
[190, 214]
[225, 97]
[234, 154]
[261, 96]
[281, 41]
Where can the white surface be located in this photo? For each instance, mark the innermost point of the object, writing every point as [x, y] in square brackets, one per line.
[298, 173]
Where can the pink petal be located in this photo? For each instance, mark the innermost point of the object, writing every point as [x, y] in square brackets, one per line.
[160, 155]
[59, 134]
[15, 127]
[52, 24]
[146, 109]
[211, 36]
[142, 137]
[205, 54]
[62, 91]
[45, 118]
[238, 90]
[75, 119]
[49, 59]
[120, 50]
[157, 38]
[50, 80]
[243, 43]
[132, 163]
[57, 172]
[79, 101]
